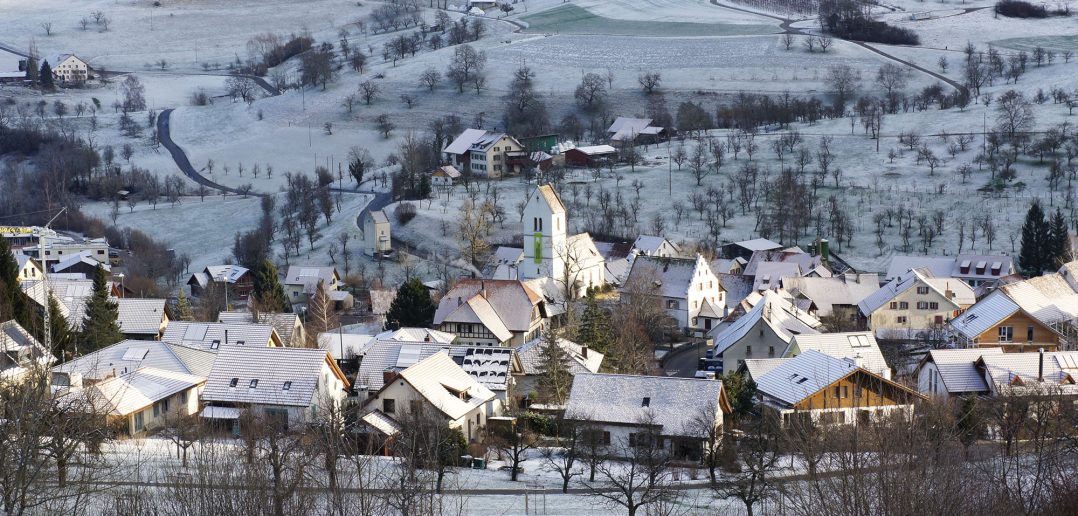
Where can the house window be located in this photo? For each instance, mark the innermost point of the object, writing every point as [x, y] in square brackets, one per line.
[938, 320]
[894, 305]
[922, 290]
[672, 304]
[1029, 333]
[389, 406]
[748, 351]
[771, 351]
[933, 306]
[842, 391]
[140, 421]
[646, 402]
[1006, 333]
[234, 382]
[182, 396]
[922, 305]
[253, 384]
[287, 386]
[901, 319]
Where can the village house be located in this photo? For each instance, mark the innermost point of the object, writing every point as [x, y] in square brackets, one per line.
[69, 69]
[627, 130]
[288, 326]
[974, 269]
[280, 387]
[746, 248]
[128, 356]
[590, 156]
[953, 372]
[240, 281]
[657, 246]
[486, 154]
[491, 312]
[1024, 374]
[437, 383]
[581, 360]
[444, 176]
[13, 64]
[915, 304]
[376, 236]
[504, 263]
[826, 390]
[216, 336]
[836, 296]
[141, 319]
[61, 246]
[572, 261]
[767, 324]
[859, 347]
[145, 399]
[689, 292]
[660, 412]
[80, 263]
[28, 268]
[301, 282]
[20, 353]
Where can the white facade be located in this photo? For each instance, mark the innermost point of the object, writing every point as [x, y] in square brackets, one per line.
[68, 68]
[399, 396]
[549, 252]
[930, 382]
[376, 234]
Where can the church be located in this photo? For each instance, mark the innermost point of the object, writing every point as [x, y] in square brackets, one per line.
[571, 261]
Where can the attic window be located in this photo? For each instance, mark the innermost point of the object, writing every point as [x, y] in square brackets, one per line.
[254, 383]
[234, 382]
[287, 386]
[802, 380]
[215, 344]
[240, 342]
[646, 402]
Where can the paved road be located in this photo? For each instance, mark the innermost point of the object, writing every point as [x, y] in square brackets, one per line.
[683, 362]
[164, 133]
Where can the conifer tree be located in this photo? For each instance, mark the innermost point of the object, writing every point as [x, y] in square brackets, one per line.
[13, 303]
[63, 341]
[1032, 258]
[99, 326]
[555, 379]
[594, 328]
[184, 311]
[412, 308]
[268, 290]
[1058, 248]
[45, 76]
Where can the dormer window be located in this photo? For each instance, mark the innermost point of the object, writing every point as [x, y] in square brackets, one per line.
[646, 402]
[215, 344]
[287, 386]
[240, 342]
[253, 384]
[234, 382]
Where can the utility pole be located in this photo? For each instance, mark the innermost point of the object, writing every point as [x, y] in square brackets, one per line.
[47, 295]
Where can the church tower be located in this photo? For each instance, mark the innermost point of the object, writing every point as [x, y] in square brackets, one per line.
[544, 228]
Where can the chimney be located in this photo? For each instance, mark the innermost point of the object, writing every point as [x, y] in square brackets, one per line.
[226, 336]
[858, 360]
[426, 338]
[1040, 364]
[584, 351]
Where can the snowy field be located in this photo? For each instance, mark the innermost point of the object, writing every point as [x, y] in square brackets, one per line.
[613, 18]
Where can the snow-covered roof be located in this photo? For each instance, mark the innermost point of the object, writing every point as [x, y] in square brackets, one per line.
[769, 275]
[416, 335]
[774, 310]
[802, 376]
[285, 324]
[446, 385]
[501, 305]
[648, 244]
[130, 355]
[140, 316]
[378, 216]
[1018, 371]
[758, 244]
[229, 273]
[963, 266]
[267, 376]
[984, 315]
[310, 276]
[84, 257]
[805, 262]
[550, 197]
[625, 128]
[344, 345]
[462, 144]
[670, 402]
[449, 170]
[1048, 298]
[378, 420]
[19, 350]
[583, 360]
[958, 368]
[848, 345]
[671, 277]
[825, 293]
[490, 366]
[757, 367]
[961, 292]
[134, 391]
[215, 336]
[736, 286]
[593, 150]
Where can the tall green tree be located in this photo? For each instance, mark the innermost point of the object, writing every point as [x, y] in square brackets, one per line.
[99, 326]
[740, 390]
[63, 339]
[412, 308]
[1032, 258]
[45, 76]
[268, 290]
[1059, 242]
[13, 303]
[555, 378]
[594, 330]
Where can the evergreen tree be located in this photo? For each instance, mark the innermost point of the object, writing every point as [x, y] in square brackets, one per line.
[268, 290]
[555, 379]
[184, 312]
[424, 189]
[740, 390]
[63, 340]
[31, 69]
[412, 308]
[320, 314]
[45, 76]
[594, 330]
[99, 327]
[1032, 258]
[13, 303]
[1058, 248]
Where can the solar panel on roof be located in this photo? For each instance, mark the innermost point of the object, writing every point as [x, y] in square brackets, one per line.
[135, 353]
[195, 332]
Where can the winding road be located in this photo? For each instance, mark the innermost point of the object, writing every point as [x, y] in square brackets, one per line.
[164, 134]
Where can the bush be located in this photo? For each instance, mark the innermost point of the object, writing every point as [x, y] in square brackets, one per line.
[200, 98]
[404, 212]
[1020, 9]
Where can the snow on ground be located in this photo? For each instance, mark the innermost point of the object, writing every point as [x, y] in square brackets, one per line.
[647, 18]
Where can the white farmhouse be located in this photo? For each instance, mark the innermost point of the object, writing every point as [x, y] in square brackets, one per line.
[689, 291]
[69, 69]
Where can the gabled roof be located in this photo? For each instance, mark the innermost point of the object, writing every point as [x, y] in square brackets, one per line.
[1015, 371]
[1048, 298]
[83, 257]
[378, 216]
[502, 305]
[848, 345]
[530, 354]
[757, 367]
[378, 420]
[802, 376]
[216, 336]
[771, 309]
[229, 273]
[649, 245]
[758, 244]
[962, 293]
[128, 393]
[963, 266]
[446, 385]
[462, 144]
[130, 355]
[285, 324]
[310, 276]
[985, 314]
[710, 311]
[958, 368]
[805, 262]
[672, 277]
[549, 196]
[595, 150]
[769, 275]
[267, 376]
[670, 402]
[416, 335]
[140, 316]
[825, 293]
[20, 350]
[449, 170]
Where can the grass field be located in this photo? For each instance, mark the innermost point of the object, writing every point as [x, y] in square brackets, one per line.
[571, 19]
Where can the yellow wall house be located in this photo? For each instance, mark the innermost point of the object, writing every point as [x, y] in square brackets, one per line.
[915, 303]
[826, 390]
[997, 321]
[146, 399]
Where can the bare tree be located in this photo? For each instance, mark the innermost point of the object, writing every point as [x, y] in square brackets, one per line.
[641, 478]
[650, 81]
